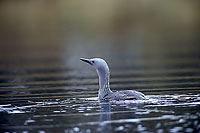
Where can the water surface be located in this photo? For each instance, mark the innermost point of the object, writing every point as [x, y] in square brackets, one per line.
[151, 48]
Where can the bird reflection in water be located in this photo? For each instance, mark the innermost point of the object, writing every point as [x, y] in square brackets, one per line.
[105, 118]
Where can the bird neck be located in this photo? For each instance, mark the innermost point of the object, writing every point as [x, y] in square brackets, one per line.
[104, 87]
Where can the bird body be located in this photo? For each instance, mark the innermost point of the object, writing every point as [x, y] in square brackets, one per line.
[105, 93]
[125, 95]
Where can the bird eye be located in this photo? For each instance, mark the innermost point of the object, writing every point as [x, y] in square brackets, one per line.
[92, 61]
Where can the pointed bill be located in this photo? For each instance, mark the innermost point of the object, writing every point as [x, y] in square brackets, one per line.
[86, 60]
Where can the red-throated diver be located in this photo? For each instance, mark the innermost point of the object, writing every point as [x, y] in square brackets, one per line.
[105, 94]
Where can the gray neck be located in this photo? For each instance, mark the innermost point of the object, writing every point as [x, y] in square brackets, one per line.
[104, 87]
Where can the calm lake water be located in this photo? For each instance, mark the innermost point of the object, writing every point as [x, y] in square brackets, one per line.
[44, 87]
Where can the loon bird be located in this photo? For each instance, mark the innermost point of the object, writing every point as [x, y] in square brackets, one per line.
[105, 93]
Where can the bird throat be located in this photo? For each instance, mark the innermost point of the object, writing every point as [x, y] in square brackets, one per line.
[104, 87]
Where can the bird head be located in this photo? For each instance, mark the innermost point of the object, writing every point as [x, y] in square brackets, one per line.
[97, 63]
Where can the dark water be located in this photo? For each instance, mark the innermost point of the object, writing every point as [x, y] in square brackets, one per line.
[44, 87]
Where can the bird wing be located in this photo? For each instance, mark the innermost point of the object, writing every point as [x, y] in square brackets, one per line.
[126, 95]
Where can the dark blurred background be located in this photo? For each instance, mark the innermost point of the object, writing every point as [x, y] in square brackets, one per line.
[151, 46]
[39, 31]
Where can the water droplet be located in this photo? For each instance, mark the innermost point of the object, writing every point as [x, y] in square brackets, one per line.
[76, 129]
[181, 121]
[120, 128]
[141, 128]
[88, 131]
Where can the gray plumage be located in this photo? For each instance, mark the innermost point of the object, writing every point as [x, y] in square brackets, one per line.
[125, 95]
[105, 94]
